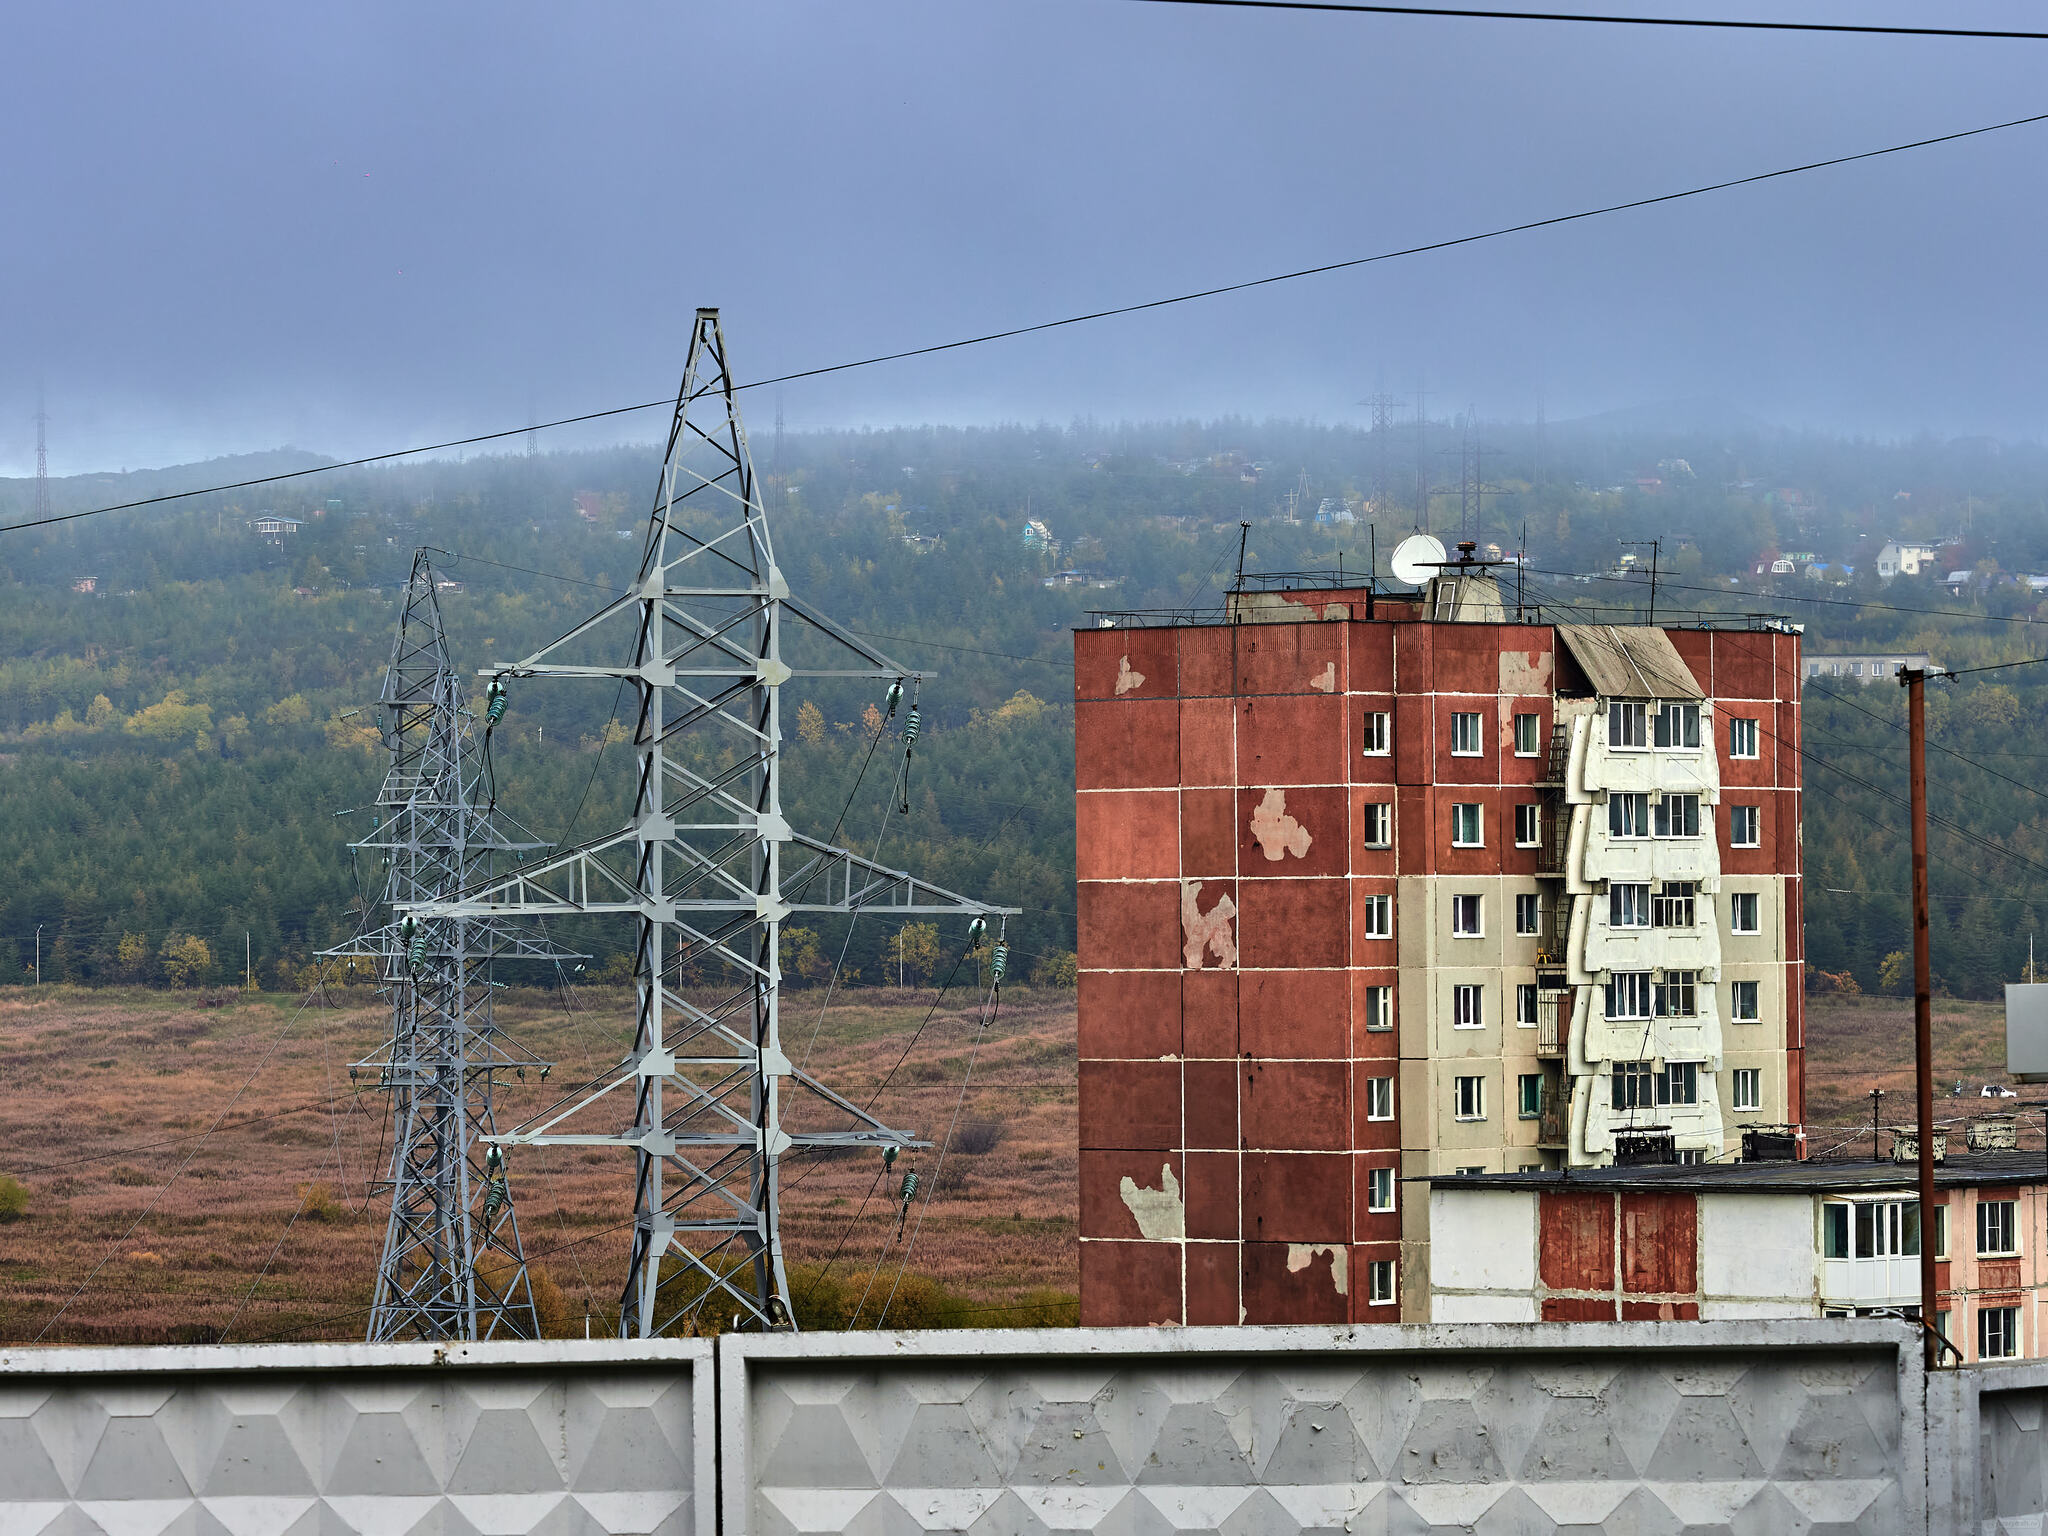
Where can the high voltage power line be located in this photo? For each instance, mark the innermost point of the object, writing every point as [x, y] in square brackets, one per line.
[1867, 29]
[1218, 291]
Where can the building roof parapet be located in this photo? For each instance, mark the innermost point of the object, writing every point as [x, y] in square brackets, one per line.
[1813, 1176]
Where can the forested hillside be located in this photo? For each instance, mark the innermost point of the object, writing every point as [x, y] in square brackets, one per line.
[185, 747]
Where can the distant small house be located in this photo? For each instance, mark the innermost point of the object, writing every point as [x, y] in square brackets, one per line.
[86, 584]
[1955, 581]
[1897, 559]
[2035, 583]
[1868, 667]
[1783, 567]
[304, 592]
[274, 528]
[447, 586]
[589, 505]
[1037, 535]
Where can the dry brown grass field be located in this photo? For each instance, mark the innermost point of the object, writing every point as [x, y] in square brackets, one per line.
[177, 1235]
[1859, 1043]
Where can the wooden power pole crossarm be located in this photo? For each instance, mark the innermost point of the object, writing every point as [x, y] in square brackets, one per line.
[1915, 682]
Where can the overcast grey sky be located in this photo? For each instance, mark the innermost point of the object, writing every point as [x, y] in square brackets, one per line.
[235, 226]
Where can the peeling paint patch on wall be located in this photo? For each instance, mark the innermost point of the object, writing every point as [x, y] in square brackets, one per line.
[1160, 1213]
[1126, 679]
[1279, 834]
[1325, 681]
[1211, 930]
[1301, 1255]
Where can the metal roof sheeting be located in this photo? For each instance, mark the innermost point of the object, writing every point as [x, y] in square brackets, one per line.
[1632, 662]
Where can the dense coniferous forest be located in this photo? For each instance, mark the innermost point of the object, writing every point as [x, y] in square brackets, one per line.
[187, 733]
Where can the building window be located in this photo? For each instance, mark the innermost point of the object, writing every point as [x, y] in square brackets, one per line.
[1628, 906]
[1528, 825]
[1525, 1004]
[1678, 726]
[1376, 734]
[1466, 1012]
[1673, 906]
[1379, 825]
[1749, 1088]
[1742, 1002]
[1679, 1083]
[1998, 1333]
[1528, 1095]
[1467, 920]
[1379, 917]
[1678, 816]
[1677, 995]
[1628, 995]
[1627, 726]
[1628, 815]
[1634, 1085]
[1379, 1008]
[1528, 735]
[1468, 1098]
[1466, 827]
[1997, 1235]
[1742, 738]
[1742, 913]
[1379, 1098]
[1379, 1283]
[1464, 734]
[1742, 828]
[1379, 1190]
[1528, 913]
[1855, 669]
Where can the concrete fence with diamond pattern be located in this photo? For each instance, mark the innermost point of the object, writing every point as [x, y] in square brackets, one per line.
[1762, 1426]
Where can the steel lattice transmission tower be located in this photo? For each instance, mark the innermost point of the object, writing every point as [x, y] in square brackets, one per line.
[42, 458]
[452, 1266]
[708, 869]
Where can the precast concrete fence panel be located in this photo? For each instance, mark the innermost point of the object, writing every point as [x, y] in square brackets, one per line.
[568, 1439]
[1631, 1427]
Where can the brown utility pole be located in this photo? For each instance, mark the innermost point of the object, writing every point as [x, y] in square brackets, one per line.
[1915, 682]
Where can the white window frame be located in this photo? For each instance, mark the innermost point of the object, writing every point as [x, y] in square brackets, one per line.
[1468, 1098]
[1667, 1080]
[1746, 1090]
[1469, 726]
[1745, 819]
[1631, 1085]
[1528, 914]
[1376, 734]
[1628, 815]
[1468, 916]
[1680, 720]
[1632, 990]
[1468, 1006]
[1534, 732]
[1742, 736]
[1379, 824]
[1754, 990]
[1665, 815]
[1478, 824]
[1749, 904]
[1379, 917]
[1628, 725]
[1525, 1004]
[1528, 824]
[1379, 1191]
[1380, 1281]
[1379, 1098]
[1628, 904]
[1379, 1009]
[1998, 1219]
[1998, 1333]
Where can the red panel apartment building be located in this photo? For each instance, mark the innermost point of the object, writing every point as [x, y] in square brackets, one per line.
[1368, 894]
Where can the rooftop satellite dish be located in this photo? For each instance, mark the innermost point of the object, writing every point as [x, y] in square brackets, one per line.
[1417, 558]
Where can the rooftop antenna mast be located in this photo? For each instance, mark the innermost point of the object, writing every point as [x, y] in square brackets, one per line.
[707, 869]
[452, 1265]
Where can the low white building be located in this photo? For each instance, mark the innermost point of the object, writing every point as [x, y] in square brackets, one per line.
[1868, 666]
[1897, 559]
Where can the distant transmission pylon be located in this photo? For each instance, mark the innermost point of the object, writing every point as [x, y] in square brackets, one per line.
[42, 458]
[708, 870]
[452, 1266]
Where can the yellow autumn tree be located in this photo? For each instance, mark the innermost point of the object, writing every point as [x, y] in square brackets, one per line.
[186, 959]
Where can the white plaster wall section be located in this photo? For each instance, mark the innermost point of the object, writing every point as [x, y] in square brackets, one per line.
[1207, 933]
[1277, 833]
[1301, 1256]
[1126, 678]
[1758, 1249]
[1481, 1308]
[1325, 681]
[1483, 1240]
[1160, 1213]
